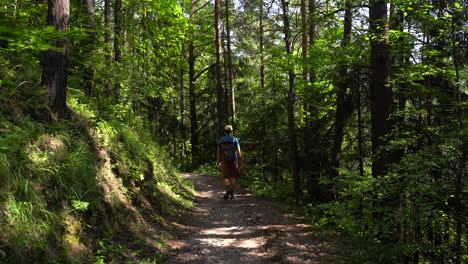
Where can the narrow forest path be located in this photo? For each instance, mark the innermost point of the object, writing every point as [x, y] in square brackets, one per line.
[246, 230]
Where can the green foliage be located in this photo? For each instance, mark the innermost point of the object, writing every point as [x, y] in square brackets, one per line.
[52, 172]
[24, 214]
[418, 194]
[126, 124]
[209, 169]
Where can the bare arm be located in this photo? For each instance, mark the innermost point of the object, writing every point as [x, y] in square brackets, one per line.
[240, 155]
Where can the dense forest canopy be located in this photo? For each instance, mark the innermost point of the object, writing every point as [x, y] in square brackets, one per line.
[352, 111]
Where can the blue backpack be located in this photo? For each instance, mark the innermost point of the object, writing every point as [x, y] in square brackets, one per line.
[228, 151]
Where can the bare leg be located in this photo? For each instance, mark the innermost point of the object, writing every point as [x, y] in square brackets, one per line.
[232, 183]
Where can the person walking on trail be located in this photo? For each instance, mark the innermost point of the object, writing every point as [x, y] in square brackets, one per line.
[229, 157]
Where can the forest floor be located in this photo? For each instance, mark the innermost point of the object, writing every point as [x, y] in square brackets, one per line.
[247, 229]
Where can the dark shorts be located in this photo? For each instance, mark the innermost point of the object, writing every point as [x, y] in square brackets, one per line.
[229, 170]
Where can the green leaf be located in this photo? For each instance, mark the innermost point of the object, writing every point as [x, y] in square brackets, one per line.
[80, 205]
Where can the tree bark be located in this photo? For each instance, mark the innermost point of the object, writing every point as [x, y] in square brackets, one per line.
[91, 19]
[229, 67]
[290, 104]
[118, 31]
[107, 31]
[380, 91]
[55, 62]
[182, 112]
[262, 55]
[381, 96]
[311, 69]
[89, 45]
[305, 43]
[118, 34]
[359, 124]
[219, 69]
[460, 177]
[194, 131]
[107, 43]
[312, 22]
[342, 85]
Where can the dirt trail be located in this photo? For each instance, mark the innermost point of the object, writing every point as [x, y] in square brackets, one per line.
[245, 230]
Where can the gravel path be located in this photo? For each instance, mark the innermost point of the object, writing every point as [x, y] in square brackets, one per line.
[245, 230]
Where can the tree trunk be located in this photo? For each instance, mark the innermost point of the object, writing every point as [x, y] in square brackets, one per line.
[182, 113]
[275, 135]
[305, 43]
[262, 55]
[91, 20]
[380, 91]
[311, 68]
[118, 34]
[194, 131]
[118, 30]
[55, 63]
[342, 85]
[107, 43]
[229, 68]
[305, 58]
[290, 105]
[359, 124]
[107, 30]
[460, 178]
[381, 96]
[312, 22]
[219, 69]
[89, 45]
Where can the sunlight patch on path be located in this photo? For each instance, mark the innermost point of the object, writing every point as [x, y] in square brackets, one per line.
[245, 230]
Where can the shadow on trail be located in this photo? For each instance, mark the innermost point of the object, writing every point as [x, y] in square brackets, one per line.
[245, 230]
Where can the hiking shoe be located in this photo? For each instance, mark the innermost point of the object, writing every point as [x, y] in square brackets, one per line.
[225, 197]
[232, 196]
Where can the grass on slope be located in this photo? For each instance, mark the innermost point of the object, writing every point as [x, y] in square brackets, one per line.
[85, 190]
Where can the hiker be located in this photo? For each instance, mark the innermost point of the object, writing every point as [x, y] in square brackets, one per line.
[229, 157]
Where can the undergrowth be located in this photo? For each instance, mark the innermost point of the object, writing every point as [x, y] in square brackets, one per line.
[85, 189]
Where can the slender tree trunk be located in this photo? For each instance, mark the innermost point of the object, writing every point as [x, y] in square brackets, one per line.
[399, 63]
[312, 22]
[311, 66]
[107, 30]
[225, 78]
[194, 131]
[315, 190]
[229, 67]
[342, 86]
[263, 128]
[118, 31]
[305, 43]
[359, 124]
[290, 105]
[55, 63]
[275, 135]
[118, 35]
[381, 95]
[219, 69]
[107, 43]
[182, 112]
[90, 43]
[262, 54]
[460, 178]
[91, 20]
[380, 91]
[305, 57]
